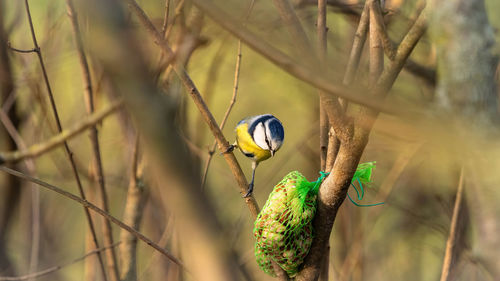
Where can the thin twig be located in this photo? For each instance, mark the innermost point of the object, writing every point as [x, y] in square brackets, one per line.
[94, 140]
[376, 50]
[41, 148]
[349, 76]
[223, 144]
[35, 195]
[58, 121]
[377, 23]
[333, 191]
[451, 243]
[165, 17]
[231, 103]
[428, 74]
[34, 50]
[57, 267]
[329, 104]
[226, 115]
[98, 210]
[324, 128]
[177, 13]
[403, 51]
[311, 76]
[295, 28]
[357, 46]
[132, 216]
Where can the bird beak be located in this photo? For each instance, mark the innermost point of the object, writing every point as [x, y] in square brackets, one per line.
[272, 153]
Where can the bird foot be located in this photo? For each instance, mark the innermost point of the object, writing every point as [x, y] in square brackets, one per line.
[229, 149]
[249, 191]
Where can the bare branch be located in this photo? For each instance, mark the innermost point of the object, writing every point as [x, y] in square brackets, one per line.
[101, 212]
[329, 103]
[357, 46]
[297, 32]
[376, 49]
[404, 50]
[226, 115]
[324, 127]
[205, 112]
[34, 50]
[132, 216]
[349, 76]
[94, 140]
[41, 148]
[334, 189]
[451, 244]
[58, 121]
[311, 76]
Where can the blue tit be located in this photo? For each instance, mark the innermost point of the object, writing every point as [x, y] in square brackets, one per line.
[258, 137]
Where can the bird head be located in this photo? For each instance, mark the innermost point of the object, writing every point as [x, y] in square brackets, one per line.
[269, 134]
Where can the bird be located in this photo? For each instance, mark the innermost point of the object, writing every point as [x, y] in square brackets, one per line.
[258, 138]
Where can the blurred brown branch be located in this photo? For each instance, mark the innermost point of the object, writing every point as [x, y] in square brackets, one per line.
[69, 153]
[451, 255]
[96, 151]
[376, 50]
[334, 189]
[41, 148]
[231, 102]
[132, 216]
[226, 115]
[205, 112]
[93, 207]
[311, 76]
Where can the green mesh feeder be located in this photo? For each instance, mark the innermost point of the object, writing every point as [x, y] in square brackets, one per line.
[283, 229]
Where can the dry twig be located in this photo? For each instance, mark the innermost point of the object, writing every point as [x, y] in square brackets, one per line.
[334, 189]
[94, 140]
[132, 216]
[450, 255]
[57, 119]
[98, 210]
[198, 100]
[41, 148]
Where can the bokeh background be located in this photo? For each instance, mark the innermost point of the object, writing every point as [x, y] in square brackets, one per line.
[403, 239]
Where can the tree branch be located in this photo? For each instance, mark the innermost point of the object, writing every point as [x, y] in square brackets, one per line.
[69, 153]
[98, 210]
[329, 104]
[132, 216]
[94, 140]
[226, 115]
[451, 244]
[324, 127]
[41, 148]
[376, 49]
[205, 112]
[311, 76]
[334, 189]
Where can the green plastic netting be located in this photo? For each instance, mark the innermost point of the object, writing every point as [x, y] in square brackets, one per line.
[283, 229]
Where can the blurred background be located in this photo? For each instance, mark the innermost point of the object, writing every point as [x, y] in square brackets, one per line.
[403, 239]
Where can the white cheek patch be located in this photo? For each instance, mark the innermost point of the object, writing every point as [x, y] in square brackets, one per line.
[259, 136]
[268, 133]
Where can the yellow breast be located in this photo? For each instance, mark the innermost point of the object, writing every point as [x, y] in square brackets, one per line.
[248, 146]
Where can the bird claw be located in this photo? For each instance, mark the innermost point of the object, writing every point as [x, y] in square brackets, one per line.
[229, 149]
[249, 191]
